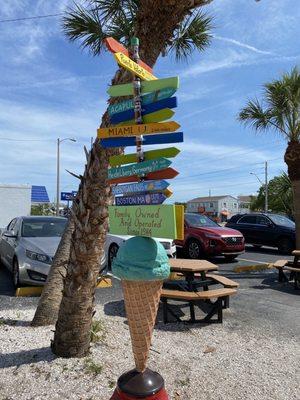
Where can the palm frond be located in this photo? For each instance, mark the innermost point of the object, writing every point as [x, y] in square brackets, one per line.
[115, 8]
[193, 33]
[255, 115]
[85, 25]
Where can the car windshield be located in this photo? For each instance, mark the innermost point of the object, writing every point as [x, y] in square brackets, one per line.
[281, 220]
[197, 221]
[44, 227]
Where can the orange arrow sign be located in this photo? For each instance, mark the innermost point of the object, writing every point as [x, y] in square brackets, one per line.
[115, 47]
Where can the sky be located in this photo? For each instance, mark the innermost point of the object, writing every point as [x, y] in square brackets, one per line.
[50, 88]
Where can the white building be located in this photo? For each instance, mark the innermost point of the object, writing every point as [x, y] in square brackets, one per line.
[218, 207]
[15, 200]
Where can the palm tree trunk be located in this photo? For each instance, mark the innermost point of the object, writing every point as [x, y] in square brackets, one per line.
[49, 302]
[292, 159]
[156, 21]
[296, 193]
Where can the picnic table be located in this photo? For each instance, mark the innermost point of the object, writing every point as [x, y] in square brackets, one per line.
[293, 267]
[197, 275]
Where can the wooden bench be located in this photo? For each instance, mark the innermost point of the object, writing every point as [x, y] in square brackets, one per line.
[295, 274]
[296, 253]
[197, 297]
[226, 282]
[280, 264]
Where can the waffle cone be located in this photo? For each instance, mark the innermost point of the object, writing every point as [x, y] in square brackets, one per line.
[141, 304]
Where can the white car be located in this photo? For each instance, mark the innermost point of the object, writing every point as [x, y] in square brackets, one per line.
[113, 242]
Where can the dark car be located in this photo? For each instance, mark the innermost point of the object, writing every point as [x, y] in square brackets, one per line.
[267, 229]
[205, 238]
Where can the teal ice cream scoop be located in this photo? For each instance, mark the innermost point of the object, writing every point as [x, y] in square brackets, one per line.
[141, 259]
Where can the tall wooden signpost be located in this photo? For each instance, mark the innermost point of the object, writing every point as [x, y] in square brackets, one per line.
[139, 208]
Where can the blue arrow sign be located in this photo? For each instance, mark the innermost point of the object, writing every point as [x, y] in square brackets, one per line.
[175, 137]
[146, 99]
[147, 109]
[145, 186]
[140, 199]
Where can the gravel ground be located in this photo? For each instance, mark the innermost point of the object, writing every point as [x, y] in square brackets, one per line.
[229, 361]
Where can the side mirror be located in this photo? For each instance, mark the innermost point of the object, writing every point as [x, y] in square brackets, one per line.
[10, 234]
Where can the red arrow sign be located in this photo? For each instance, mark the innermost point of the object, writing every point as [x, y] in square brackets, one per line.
[167, 173]
[115, 47]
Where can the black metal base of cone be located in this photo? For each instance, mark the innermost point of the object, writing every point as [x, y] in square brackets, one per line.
[140, 384]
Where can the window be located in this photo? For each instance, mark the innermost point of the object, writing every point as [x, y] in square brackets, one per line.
[211, 205]
[224, 204]
[235, 205]
[248, 219]
[261, 220]
[43, 227]
[12, 224]
[197, 221]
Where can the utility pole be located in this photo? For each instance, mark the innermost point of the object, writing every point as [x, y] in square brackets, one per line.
[266, 188]
[57, 177]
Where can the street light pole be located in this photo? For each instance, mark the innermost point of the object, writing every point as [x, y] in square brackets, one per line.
[58, 171]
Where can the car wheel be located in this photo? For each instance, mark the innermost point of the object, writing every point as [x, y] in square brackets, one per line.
[16, 273]
[194, 249]
[112, 253]
[231, 258]
[285, 245]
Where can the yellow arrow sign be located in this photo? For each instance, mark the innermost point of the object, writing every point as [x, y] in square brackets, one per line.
[168, 192]
[131, 66]
[137, 130]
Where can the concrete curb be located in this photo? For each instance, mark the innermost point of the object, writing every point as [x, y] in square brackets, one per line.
[254, 267]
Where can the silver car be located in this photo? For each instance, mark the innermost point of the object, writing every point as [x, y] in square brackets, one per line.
[28, 245]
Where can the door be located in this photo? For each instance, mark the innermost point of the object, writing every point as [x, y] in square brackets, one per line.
[247, 226]
[264, 230]
[8, 244]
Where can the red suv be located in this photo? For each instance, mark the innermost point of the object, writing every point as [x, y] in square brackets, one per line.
[205, 238]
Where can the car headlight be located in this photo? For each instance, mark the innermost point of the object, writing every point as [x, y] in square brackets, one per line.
[212, 236]
[166, 245]
[38, 257]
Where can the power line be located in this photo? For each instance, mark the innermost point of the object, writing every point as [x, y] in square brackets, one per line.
[26, 140]
[29, 18]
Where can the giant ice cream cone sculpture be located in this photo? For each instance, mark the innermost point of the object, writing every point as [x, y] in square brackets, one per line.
[142, 264]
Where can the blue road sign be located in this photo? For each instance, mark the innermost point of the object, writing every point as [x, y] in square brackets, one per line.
[145, 186]
[140, 199]
[146, 99]
[158, 138]
[147, 109]
[67, 196]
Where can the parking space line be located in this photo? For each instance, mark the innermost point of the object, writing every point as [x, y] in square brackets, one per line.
[254, 261]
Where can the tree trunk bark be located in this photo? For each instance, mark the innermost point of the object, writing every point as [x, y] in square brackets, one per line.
[296, 193]
[156, 21]
[292, 159]
[49, 302]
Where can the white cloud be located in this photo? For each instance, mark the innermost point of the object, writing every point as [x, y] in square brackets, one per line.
[243, 45]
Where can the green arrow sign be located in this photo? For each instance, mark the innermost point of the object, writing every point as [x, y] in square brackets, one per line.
[157, 116]
[152, 221]
[169, 152]
[139, 169]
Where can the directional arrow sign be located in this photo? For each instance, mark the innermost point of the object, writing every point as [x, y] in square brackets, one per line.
[153, 221]
[169, 152]
[126, 89]
[140, 199]
[147, 109]
[144, 186]
[167, 173]
[157, 116]
[146, 99]
[115, 47]
[175, 137]
[139, 169]
[137, 130]
[132, 66]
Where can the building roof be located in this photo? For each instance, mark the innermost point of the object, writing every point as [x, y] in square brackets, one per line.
[245, 199]
[39, 194]
[210, 198]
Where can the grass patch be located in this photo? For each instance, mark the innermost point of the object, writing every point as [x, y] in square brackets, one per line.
[98, 331]
[255, 268]
[91, 367]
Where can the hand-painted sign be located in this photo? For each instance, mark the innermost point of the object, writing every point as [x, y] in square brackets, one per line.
[137, 130]
[167, 173]
[140, 199]
[147, 109]
[133, 67]
[169, 152]
[115, 47]
[175, 137]
[179, 212]
[146, 99]
[126, 89]
[152, 221]
[157, 116]
[145, 186]
[139, 169]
